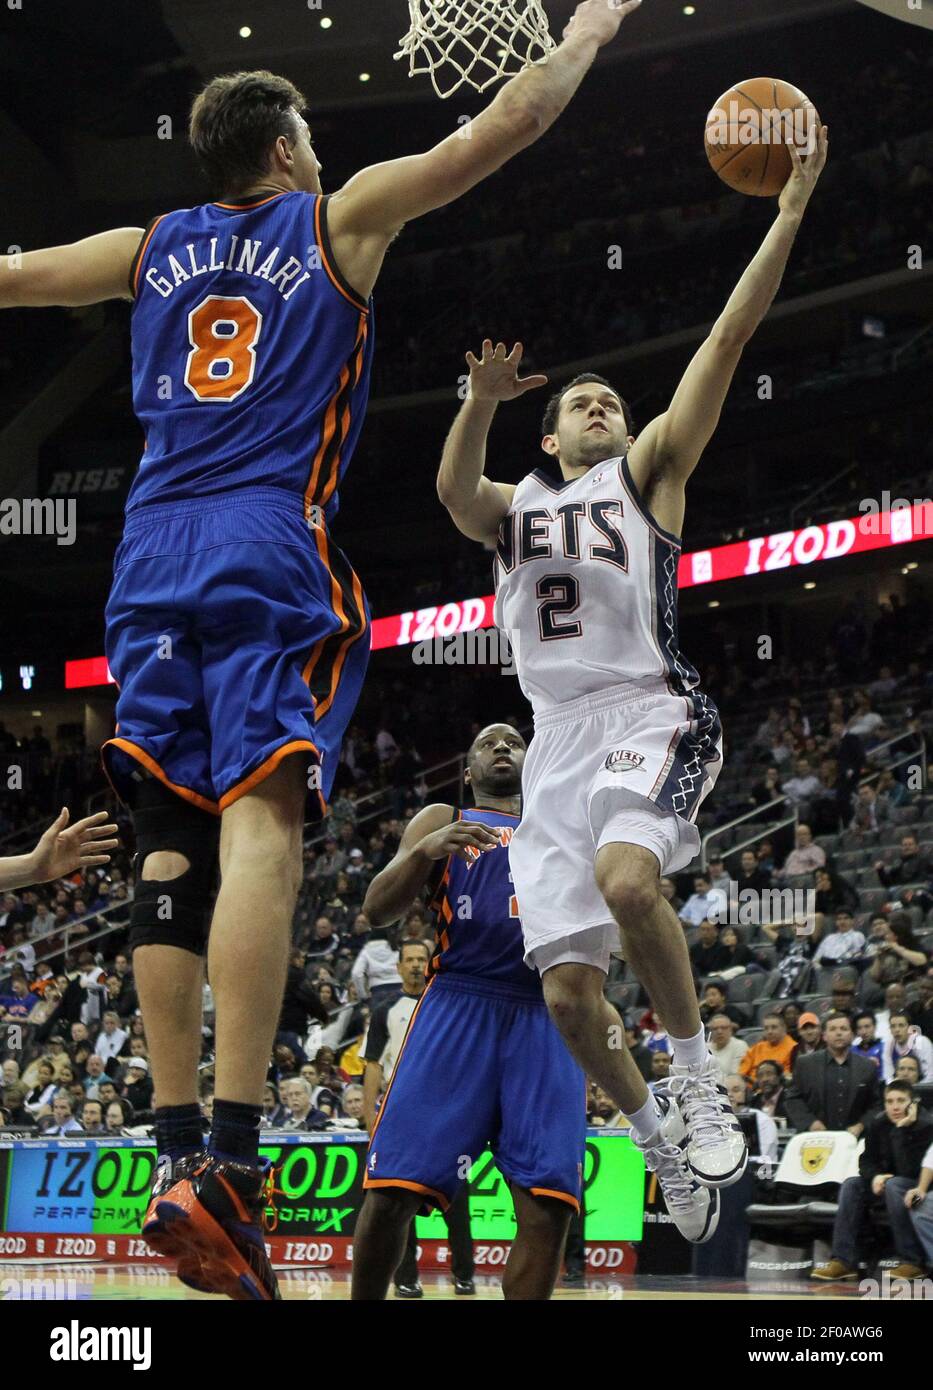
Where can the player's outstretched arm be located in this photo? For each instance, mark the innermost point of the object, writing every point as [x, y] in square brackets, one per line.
[431, 835]
[85, 272]
[673, 442]
[375, 204]
[61, 850]
[477, 505]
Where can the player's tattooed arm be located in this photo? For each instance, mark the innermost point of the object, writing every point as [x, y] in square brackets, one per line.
[84, 272]
[476, 505]
[431, 835]
[670, 447]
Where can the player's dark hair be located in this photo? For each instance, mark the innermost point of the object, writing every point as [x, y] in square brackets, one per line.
[235, 121]
[552, 410]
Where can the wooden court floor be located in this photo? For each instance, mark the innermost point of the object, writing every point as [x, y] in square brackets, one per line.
[99, 1282]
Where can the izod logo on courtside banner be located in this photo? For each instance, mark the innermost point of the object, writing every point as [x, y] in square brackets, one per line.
[762, 555]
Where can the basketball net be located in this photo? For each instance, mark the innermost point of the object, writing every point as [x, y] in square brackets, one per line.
[474, 41]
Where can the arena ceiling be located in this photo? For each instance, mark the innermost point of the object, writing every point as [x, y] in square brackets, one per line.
[82, 85]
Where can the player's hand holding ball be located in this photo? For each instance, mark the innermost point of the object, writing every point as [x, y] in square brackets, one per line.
[599, 19]
[797, 190]
[494, 376]
[458, 838]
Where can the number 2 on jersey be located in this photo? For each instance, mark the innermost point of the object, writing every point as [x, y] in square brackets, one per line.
[568, 589]
[223, 331]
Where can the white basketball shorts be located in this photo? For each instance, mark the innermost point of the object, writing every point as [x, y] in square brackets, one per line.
[631, 764]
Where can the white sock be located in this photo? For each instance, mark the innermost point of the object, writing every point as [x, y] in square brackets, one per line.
[647, 1120]
[690, 1052]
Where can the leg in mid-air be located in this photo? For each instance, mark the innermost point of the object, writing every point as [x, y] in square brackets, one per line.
[177, 865]
[534, 1262]
[653, 942]
[211, 1215]
[590, 1027]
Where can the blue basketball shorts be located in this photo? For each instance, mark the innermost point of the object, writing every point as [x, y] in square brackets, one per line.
[238, 634]
[482, 1066]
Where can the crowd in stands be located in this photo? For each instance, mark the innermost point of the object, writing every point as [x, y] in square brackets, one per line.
[659, 215]
[819, 1008]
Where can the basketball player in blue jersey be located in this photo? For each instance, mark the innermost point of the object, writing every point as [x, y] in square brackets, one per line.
[626, 746]
[482, 1065]
[237, 631]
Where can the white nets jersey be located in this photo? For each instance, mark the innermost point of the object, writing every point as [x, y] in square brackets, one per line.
[586, 588]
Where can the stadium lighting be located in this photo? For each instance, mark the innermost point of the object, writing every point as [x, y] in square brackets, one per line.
[810, 584]
[713, 603]
[364, 76]
[690, 9]
[245, 31]
[326, 22]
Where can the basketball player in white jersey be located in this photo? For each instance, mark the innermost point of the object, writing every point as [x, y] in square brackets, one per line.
[626, 746]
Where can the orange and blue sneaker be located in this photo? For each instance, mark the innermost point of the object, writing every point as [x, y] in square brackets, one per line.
[208, 1215]
[161, 1237]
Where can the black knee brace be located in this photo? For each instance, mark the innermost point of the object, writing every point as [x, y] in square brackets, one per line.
[173, 911]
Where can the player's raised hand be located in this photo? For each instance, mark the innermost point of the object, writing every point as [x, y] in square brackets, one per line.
[459, 838]
[494, 376]
[599, 19]
[64, 848]
[797, 190]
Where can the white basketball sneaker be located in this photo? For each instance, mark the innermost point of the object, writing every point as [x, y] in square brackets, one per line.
[716, 1149]
[693, 1208]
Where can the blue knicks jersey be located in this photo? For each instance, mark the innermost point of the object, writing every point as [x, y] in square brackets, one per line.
[251, 354]
[479, 931]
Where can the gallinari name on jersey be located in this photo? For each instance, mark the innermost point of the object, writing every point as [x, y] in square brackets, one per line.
[231, 252]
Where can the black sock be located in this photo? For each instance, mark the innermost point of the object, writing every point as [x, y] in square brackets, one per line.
[179, 1130]
[235, 1131]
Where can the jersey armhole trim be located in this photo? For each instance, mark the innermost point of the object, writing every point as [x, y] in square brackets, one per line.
[628, 482]
[136, 262]
[438, 874]
[329, 260]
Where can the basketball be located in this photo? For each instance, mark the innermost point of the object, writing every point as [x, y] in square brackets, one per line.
[747, 131]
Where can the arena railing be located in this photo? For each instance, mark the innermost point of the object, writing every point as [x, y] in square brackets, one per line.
[83, 939]
[911, 756]
[765, 832]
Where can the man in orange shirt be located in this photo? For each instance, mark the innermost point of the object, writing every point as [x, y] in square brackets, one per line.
[776, 1046]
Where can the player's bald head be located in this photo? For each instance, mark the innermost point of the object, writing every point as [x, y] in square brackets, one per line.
[494, 731]
[494, 761]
